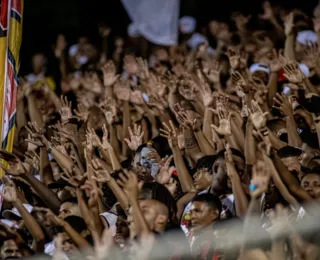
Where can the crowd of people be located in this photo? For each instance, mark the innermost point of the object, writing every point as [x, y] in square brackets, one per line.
[204, 150]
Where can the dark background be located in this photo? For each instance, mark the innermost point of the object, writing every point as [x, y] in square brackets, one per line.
[44, 19]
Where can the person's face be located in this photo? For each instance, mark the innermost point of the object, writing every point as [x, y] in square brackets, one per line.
[292, 163]
[202, 215]
[149, 212]
[219, 176]
[68, 209]
[264, 76]
[311, 184]
[303, 119]
[123, 231]
[10, 250]
[68, 246]
[202, 179]
[38, 62]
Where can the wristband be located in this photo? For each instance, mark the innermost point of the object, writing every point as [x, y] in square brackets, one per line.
[49, 150]
[253, 187]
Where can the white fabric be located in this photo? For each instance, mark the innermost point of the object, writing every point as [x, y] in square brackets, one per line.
[155, 20]
[111, 218]
[305, 37]
[195, 40]
[9, 223]
[305, 70]
[259, 67]
[6, 213]
[50, 248]
[32, 78]
[187, 24]
[73, 50]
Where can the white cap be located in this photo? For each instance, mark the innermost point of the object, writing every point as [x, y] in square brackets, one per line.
[305, 70]
[195, 40]
[9, 223]
[259, 67]
[111, 218]
[187, 24]
[7, 213]
[305, 37]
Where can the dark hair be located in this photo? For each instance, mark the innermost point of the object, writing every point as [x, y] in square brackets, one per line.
[289, 151]
[77, 223]
[157, 191]
[211, 200]
[206, 162]
[72, 200]
[234, 152]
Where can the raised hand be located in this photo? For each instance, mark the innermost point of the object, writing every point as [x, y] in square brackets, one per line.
[165, 171]
[129, 182]
[101, 174]
[122, 90]
[9, 193]
[224, 122]
[130, 65]
[36, 134]
[136, 97]
[234, 58]
[95, 193]
[94, 139]
[136, 137]
[105, 142]
[109, 109]
[187, 88]
[33, 159]
[184, 119]
[268, 12]
[170, 133]
[280, 220]
[103, 245]
[15, 166]
[240, 83]
[293, 72]
[143, 69]
[109, 74]
[65, 110]
[284, 105]
[74, 180]
[289, 24]
[258, 118]
[260, 179]
[212, 71]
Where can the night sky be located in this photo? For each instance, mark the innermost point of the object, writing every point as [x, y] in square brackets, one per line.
[44, 19]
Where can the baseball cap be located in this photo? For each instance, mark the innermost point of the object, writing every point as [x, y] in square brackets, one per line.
[187, 24]
[11, 213]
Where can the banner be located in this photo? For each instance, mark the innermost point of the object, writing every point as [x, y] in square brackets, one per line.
[10, 42]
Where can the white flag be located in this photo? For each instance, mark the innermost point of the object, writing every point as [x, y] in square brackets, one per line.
[156, 20]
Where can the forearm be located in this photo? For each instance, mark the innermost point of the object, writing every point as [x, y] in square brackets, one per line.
[114, 160]
[279, 184]
[237, 134]
[75, 236]
[47, 196]
[275, 141]
[191, 146]
[272, 87]
[114, 139]
[250, 145]
[32, 225]
[140, 223]
[240, 197]
[207, 122]
[21, 117]
[293, 136]
[183, 202]
[34, 112]
[278, 250]
[184, 177]
[119, 194]
[126, 124]
[46, 173]
[289, 180]
[204, 144]
[310, 86]
[289, 47]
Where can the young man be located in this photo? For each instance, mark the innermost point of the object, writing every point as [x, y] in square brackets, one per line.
[9, 250]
